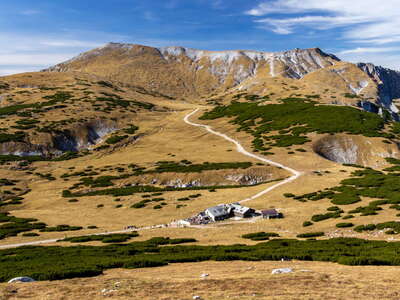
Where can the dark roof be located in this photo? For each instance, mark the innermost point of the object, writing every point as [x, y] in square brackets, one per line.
[270, 212]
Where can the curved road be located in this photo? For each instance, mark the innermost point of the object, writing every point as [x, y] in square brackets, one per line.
[239, 148]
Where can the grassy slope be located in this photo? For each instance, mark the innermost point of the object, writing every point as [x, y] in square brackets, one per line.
[168, 138]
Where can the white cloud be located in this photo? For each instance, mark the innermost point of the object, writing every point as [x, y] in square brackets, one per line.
[16, 70]
[388, 60]
[370, 50]
[369, 19]
[286, 26]
[23, 53]
[370, 27]
[70, 43]
[32, 59]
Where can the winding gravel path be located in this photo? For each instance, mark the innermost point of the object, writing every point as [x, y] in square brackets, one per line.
[240, 149]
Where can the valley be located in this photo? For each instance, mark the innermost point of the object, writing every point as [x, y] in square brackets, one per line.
[107, 144]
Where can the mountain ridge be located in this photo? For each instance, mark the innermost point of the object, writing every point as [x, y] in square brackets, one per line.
[188, 73]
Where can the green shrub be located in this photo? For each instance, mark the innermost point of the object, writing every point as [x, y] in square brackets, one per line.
[30, 234]
[260, 236]
[289, 195]
[139, 204]
[115, 139]
[106, 238]
[131, 130]
[61, 228]
[322, 217]
[310, 234]
[333, 208]
[348, 217]
[361, 228]
[344, 225]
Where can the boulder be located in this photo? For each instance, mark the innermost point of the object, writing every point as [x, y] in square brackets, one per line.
[282, 271]
[21, 279]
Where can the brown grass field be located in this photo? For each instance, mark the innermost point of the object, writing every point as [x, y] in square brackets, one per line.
[170, 137]
[227, 280]
[165, 136]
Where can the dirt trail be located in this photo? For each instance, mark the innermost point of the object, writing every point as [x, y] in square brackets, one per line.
[240, 149]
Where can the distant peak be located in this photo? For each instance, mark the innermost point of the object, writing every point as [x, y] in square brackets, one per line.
[227, 54]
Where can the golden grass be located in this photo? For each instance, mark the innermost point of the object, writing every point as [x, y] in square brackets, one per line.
[167, 137]
[227, 280]
[171, 136]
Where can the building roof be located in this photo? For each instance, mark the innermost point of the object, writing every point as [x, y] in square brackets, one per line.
[239, 209]
[270, 212]
[218, 211]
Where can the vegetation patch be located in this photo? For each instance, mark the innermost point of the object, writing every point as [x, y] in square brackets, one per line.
[260, 236]
[107, 238]
[395, 226]
[310, 235]
[293, 119]
[344, 225]
[115, 139]
[60, 228]
[365, 182]
[131, 190]
[322, 217]
[188, 167]
[12, 226]
[56, 263]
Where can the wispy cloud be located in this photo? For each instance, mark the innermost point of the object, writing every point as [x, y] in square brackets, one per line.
[23, 53]
[70, 43]
[32, 60]
[367, 27]
[379, 21]
[287, 26]
[370, 50]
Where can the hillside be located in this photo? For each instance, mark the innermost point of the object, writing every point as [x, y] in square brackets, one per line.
[186, 73]
[128, 138]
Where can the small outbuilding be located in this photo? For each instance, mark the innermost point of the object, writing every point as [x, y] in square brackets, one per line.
[271, 214]
[242, 211]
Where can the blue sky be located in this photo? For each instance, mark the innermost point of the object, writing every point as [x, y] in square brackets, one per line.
[40, 33]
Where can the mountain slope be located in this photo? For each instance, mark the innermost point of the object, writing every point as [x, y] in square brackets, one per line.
[187, 73]
[103, 137]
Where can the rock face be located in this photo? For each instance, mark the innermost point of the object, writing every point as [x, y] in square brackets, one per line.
[348, 149]
[83, 136]
[341, 150]
[388, 82]
[79, 137]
